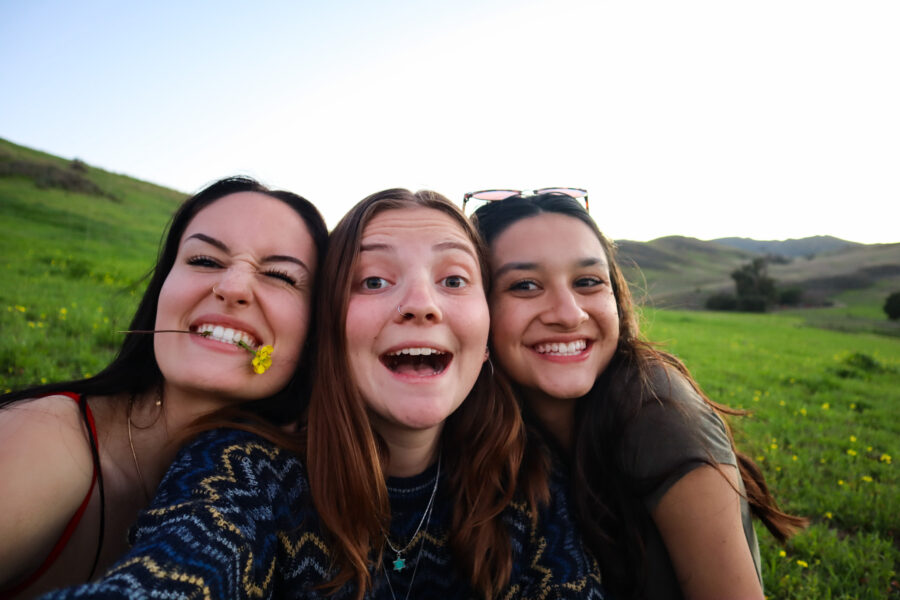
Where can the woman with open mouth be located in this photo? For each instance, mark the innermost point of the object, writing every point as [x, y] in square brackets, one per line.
[414, 445]
[660, 493]
[221, 327]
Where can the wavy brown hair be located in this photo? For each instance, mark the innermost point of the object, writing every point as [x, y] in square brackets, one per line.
[345, 456]
[604, 493]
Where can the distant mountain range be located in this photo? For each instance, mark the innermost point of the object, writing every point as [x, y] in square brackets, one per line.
[789, 248]
[682, 272]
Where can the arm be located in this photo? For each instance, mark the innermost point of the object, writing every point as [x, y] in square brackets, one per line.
[699, 519]
[213, 528]
[46, 468]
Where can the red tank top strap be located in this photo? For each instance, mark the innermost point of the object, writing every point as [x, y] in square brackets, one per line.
[73, 522]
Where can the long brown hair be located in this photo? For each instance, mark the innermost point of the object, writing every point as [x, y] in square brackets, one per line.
[603, 491]
[345, 456]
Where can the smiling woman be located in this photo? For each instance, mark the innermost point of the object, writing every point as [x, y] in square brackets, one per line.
[81, 458]
[663, 497]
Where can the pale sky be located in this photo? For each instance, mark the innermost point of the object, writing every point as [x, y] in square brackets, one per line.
[765, 119]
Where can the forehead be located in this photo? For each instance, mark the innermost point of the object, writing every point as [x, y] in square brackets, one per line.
[414, 225]
[256, 222]
[547, 237]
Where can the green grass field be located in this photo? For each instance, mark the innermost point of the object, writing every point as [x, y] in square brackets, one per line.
[824, 403]
[823, 426]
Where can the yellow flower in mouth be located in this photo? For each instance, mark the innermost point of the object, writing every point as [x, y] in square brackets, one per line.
[262, 359]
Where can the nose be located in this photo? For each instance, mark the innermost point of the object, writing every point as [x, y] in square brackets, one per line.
[234, 287]
[419, 302]
[564, 309]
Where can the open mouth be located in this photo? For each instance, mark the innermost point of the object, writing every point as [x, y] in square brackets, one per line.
[226, 335]
[420, 362]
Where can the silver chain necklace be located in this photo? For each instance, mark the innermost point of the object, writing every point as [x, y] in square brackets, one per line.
[399, 562]
[387, 575]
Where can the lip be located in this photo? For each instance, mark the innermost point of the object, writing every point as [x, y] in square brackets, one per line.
[224, 321]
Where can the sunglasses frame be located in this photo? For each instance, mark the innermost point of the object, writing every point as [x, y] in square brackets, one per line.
[583, 193]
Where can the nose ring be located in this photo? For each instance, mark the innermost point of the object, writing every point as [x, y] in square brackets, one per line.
[405, 315]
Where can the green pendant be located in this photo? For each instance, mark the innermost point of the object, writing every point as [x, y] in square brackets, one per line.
[399, 563]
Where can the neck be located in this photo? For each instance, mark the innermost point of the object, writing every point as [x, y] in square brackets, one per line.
[411, 451]
[557, 415]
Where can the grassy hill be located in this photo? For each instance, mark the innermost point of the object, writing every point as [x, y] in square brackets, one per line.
[679, 272]
[76, 244]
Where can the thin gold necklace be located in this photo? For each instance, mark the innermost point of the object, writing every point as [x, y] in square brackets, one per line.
[137, 465]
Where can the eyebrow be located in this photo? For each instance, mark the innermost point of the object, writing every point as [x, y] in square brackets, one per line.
[441, 247]
[267, 259]
[533, 266]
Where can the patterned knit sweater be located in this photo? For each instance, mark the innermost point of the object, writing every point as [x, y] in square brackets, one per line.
[233, 518]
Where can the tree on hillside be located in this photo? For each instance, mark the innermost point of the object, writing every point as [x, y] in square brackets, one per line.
[892, 306]
[755, 289]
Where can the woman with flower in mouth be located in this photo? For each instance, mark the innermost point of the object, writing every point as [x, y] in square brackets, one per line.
[408, 483]
[229, 302]
[661, 494]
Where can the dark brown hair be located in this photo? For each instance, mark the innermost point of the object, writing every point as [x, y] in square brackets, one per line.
[604, 493]
[345, 456]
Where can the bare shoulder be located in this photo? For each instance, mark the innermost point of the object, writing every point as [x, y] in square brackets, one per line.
[46, 467]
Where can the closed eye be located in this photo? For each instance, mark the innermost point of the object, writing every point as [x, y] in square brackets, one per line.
[282, 275]
[203, 261]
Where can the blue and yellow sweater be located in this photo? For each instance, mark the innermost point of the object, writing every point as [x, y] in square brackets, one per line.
[233, 518]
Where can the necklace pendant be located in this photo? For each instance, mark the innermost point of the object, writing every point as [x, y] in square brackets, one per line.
[399, 563]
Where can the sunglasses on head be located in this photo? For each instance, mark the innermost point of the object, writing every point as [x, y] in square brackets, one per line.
[495, 195]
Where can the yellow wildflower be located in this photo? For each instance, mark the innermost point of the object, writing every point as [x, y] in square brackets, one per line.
[828, 515]
[782, 554]
[885, 458]
[852, 438]
[262, 360]
[826, 406]
[840, 482]
[803, 411]
[803, 563]
[794, 457]
[866, 478]
[20, 308]
[851, 451]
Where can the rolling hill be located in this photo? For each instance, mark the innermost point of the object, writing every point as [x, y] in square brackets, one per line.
[680, 272]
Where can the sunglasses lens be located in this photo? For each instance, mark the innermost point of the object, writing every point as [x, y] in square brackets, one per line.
[574, 192]
[493, 195]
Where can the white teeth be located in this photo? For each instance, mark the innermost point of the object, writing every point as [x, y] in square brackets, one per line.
[416, 352]
[227, 335]
[562, 349]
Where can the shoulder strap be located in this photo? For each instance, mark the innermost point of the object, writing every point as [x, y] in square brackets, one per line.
[98, 476]
[76, 518]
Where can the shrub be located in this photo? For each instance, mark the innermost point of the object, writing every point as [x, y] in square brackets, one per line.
[722, 301]
[892, 306]
[790, 296]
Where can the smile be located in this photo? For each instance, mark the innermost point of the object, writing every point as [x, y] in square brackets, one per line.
[418, 361]
[226, 335]
[561, 349]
